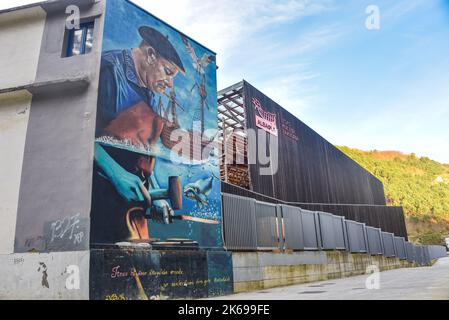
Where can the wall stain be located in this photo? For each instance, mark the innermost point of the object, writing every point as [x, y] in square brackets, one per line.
[22, 112]
[43, 268]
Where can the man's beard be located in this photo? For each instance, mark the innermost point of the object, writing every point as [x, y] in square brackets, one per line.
[160, 86]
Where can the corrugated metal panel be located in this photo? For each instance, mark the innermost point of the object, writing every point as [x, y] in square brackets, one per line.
[426, 258]
[443, 252]
[432, 253]
[292, 228]
[327, 231]
[418, 255]
[410, 249]
[356, 236]
[239, 223]
[389, 219]
[437, 252]
[388, 245]
[267, 226]
[250, 225]
[310, 230]
[374, 239]
[339, 232]
[401, 252]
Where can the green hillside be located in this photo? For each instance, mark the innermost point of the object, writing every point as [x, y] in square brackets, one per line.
[420, 185]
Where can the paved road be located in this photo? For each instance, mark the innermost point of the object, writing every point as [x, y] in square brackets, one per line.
[401, 284]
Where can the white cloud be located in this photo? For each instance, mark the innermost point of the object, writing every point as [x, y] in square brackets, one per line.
[235, 30]
[239, 31]
[400, 9]
[285, 70]
[223, 26]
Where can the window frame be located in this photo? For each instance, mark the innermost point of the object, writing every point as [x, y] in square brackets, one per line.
[71, 36]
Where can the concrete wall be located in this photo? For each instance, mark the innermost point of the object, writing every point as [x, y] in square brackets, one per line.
[52, 65]
[144, 274]
[46, 135]
[257, 270]
[55, 195]
[14, 115]
[20, 38]
[45, 276]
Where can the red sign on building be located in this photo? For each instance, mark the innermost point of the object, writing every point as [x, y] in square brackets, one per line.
[265, 120]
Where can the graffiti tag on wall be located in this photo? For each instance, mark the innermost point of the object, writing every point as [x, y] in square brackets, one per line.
[68, 233]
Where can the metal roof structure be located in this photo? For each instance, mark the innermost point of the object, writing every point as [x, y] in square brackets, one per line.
[231, 110]
[232, 134]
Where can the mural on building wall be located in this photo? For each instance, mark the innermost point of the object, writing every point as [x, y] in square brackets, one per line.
[157, 88]
[159, 275]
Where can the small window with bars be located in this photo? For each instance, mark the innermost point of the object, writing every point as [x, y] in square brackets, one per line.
[80, 41]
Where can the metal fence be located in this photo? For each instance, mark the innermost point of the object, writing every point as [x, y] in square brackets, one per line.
[292, 229]
[239, 222]
[250, 225]
[332, 231]
[341, 237]
[426, 256]
[437, 252]
[356, 236]
[267, 226]
[411, 255]
[401, 251]
[311, 229]
[327, 232]
[420, 255]
[374, 239]
[388, 245]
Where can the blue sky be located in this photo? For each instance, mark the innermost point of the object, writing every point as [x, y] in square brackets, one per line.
[384, 89]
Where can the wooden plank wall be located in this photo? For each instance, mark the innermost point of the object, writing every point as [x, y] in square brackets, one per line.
[311, 170]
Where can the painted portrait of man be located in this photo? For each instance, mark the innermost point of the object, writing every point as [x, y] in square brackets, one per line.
[157, 87]
[127, 129]
[149, 73]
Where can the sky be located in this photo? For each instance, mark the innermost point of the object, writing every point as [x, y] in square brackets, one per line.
[381, 89]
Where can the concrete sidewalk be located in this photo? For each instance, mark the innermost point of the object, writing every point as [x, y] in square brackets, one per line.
[429, 283]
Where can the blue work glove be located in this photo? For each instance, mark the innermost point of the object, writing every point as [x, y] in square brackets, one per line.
[127, 184]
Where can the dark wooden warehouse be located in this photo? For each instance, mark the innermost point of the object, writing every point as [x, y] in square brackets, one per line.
[303, 169]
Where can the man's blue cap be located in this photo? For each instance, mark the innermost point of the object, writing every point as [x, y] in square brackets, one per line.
[161, 44]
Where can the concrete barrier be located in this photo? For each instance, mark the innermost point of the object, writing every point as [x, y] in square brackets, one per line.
[263, 270]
